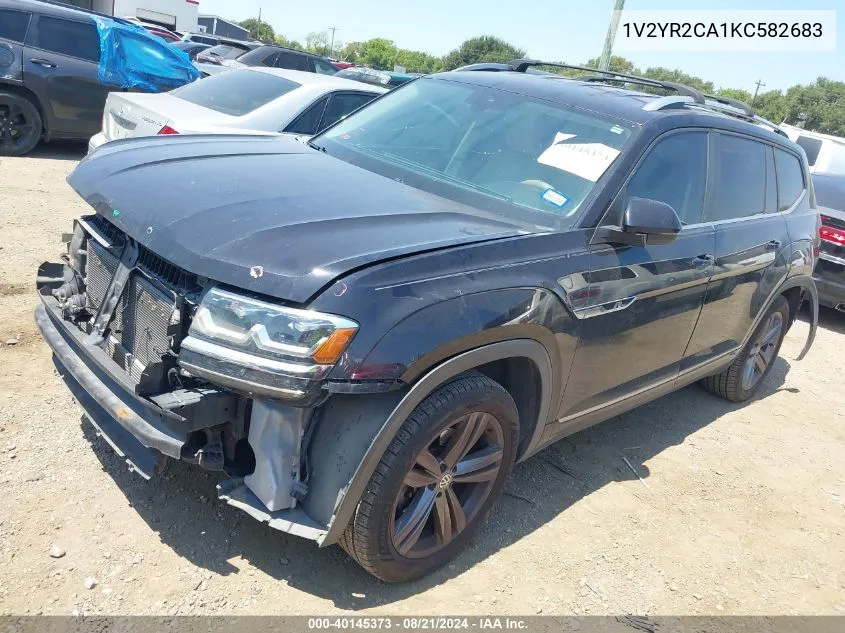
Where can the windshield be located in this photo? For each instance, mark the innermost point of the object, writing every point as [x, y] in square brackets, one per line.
[236, 92]
[505, 153]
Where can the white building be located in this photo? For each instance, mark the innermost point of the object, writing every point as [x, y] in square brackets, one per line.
[178, 15]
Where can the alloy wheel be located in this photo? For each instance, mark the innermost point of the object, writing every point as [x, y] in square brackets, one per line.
[762, 351]
[447, 485]
[16, 129]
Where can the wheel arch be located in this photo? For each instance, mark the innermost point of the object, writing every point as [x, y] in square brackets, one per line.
[23, 91]
[793, 289]
[503, 359]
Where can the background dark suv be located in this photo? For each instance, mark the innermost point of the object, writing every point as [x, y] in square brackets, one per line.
[279, 57]
[49, 57]
[372, 327]
[49, 73]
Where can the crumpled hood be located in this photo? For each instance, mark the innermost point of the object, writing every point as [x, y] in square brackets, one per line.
[268, 214]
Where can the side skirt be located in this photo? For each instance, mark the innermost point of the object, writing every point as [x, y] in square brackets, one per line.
[580, 421]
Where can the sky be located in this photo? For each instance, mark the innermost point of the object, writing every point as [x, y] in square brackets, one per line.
[570, 30]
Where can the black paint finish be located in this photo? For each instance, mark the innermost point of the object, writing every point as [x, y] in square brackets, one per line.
[267, 214]
[440, 288]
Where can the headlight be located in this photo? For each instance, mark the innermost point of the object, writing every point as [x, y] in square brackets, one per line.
[259, 346]
[271, 330]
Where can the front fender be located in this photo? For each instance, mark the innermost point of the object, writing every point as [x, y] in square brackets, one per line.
[344, 435]
[442, 330]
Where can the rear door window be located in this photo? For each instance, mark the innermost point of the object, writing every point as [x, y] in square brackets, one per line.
[790, 179]
[309, 121]
[13, 25]
[738, 171]
[811, 147]
[674, 172]
[68, 37]
[292, 61]
[343, 103]
[236, 92]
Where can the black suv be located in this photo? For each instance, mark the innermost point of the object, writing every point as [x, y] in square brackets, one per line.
[49, 83]
[367, 329]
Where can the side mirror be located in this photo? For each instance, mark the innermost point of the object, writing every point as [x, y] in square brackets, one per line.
[650, 217]
[644, 221]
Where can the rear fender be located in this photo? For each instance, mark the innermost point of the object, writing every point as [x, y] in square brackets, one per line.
[808, 286]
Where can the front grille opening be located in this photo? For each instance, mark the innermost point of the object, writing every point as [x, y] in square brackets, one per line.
[140, 332]
[170, 274]
[156, 266]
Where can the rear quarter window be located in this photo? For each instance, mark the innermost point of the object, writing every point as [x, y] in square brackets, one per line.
[13, 25]
[236, 92]
[790, 179]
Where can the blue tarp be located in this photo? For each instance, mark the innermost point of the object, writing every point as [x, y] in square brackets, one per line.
[132, 58]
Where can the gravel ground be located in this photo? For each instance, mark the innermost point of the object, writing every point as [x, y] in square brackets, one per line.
[740, 509]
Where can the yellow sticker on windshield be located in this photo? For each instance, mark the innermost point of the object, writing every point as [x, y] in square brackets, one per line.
[585, 160]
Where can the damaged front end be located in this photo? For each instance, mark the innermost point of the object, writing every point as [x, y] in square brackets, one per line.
[166, 363]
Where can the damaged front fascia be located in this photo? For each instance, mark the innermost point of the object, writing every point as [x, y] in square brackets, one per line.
[363, 386]
[128, 259]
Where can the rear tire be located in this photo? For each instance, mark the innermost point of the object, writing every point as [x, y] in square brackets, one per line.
[447, 465]
[20, 125]
[747, 372]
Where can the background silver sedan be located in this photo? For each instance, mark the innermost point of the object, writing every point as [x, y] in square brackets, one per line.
[246, 100]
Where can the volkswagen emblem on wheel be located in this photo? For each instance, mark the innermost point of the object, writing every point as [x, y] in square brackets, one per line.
[445, 480]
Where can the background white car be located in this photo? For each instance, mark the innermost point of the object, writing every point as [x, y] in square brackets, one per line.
[825, 153]
[246, 100]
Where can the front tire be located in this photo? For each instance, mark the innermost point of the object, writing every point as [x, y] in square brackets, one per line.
[20, 125]
[746, 373]
[437, 481]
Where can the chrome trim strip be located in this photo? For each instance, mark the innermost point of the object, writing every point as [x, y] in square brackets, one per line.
[251, 361]
[832, 258]
[756, 216]
[604, 308]
[102, 241]
[642, 390]
[244, 384]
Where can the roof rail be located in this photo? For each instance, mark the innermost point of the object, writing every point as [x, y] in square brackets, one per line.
[746, 109]
[732, 111]
[521, 65]
[665, 103]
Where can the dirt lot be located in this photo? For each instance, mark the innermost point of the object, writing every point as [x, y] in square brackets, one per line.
[741, 508]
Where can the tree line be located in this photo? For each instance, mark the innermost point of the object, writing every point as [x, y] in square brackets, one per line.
[818, 106]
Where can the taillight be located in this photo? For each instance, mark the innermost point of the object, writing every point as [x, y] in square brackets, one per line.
[830, 233]
[167, 130]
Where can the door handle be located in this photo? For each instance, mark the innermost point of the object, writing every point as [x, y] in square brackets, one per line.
[43, 62]
[773, 245]
[701, 261]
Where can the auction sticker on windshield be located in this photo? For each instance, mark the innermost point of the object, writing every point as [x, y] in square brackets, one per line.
[585, 160]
